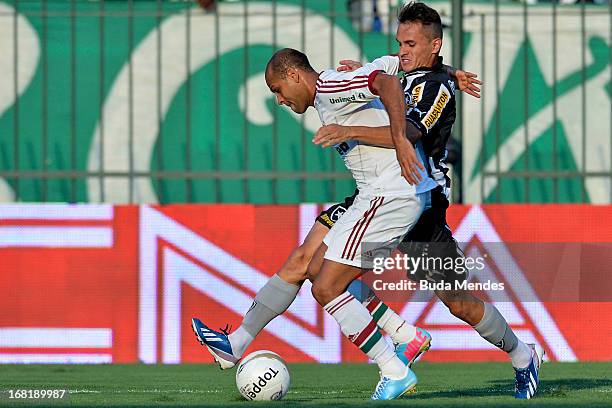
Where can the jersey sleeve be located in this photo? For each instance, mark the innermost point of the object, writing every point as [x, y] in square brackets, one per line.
[358, 82]
[429, 101]
[389, 64]
[370, 71]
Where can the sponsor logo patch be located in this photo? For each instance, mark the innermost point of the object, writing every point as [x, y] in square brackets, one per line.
[257, 386]
[343, 99]
[436, 109]
[326, 220]
[337, 213]
[416, 95]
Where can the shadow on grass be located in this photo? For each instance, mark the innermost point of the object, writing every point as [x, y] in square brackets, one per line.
[547, 388]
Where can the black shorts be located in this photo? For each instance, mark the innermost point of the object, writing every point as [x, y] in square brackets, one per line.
[432, 226]
[332, 214]
[432, 238]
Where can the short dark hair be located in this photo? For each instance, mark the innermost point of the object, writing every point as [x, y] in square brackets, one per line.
[287, 58]
[421, 12]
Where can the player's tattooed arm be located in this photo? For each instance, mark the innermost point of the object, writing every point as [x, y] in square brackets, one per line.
[390, 92]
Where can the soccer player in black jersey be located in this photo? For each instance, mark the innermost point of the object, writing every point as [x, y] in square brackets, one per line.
[430, 99]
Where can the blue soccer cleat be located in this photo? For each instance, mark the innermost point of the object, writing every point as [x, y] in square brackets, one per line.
[527, 379]
[216, 342]
[409, 352]
[388, 389]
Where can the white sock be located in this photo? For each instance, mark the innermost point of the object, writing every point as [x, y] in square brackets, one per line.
[396, 327]
[359, 327]
[494, 329]
[521, 355]
[240, 340]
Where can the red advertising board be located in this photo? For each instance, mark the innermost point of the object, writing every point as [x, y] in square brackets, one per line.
[102, 283]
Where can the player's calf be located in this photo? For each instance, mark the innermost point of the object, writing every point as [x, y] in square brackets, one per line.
[332, 280]
[410, 342]
[294, 269]
[463, 305]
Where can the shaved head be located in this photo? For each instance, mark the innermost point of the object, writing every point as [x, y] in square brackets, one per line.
[292, 79]
[285, 59]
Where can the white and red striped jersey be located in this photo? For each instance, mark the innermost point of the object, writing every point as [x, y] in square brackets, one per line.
[346, 98]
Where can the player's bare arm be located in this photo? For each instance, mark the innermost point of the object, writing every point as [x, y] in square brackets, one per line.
[388, 88]
[466, 81]
[333, 134]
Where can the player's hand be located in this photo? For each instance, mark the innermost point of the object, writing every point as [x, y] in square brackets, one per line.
[409, 161]
[348, 65]
[330, 135]
[467, 82]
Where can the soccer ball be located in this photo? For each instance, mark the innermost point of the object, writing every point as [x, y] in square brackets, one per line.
[263, 376]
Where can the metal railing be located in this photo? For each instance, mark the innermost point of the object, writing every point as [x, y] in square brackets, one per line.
[559, 180]
[157, 101]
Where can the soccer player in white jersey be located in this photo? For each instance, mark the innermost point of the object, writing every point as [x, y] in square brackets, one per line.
[281, 289]
[387, 206]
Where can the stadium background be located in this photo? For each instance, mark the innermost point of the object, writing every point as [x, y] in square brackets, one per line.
[159, 107]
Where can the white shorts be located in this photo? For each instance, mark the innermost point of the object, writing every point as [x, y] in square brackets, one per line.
[371, 219]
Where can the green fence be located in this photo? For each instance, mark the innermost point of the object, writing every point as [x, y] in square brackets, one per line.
[158, 101]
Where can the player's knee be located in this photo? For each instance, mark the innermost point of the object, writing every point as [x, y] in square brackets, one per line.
[456, 309]
[294, 270]
[314, 266]
[323, 292]
[312, 271]
[464, 310]
[318, 292]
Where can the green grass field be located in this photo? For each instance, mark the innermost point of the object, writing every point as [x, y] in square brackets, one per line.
[348, 385]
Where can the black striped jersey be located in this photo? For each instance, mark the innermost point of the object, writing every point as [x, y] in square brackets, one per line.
[430, 107]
